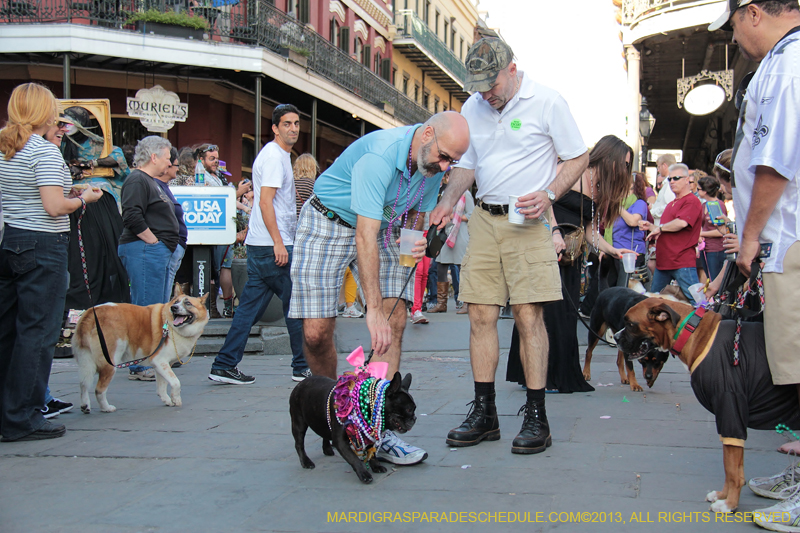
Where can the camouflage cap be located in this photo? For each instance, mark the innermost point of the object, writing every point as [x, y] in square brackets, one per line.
[485, 60]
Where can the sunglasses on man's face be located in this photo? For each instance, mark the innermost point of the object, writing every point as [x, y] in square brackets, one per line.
[676, 178]
[443, 156]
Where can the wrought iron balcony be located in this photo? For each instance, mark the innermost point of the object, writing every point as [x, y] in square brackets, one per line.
[416, 41]
[635, 11]
[251, 22]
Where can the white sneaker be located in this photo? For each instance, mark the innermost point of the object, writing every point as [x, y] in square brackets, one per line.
[352, 312]
[418, 318]
[394, 450]
[778, 487]
[783, 516]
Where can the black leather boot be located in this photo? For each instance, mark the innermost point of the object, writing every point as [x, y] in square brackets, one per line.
[534, 437]
[481, 424]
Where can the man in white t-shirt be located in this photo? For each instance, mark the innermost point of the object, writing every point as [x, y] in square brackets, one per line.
[665, 194]
[518, 130]
[269, 241]
[766, 195]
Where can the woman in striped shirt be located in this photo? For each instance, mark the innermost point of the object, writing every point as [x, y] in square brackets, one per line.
[36, 188]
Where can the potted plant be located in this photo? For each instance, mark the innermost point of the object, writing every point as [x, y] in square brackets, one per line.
[170, 23]
[296, 54]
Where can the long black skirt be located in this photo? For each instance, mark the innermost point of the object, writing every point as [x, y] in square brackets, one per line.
[101, 227]
[564, 372]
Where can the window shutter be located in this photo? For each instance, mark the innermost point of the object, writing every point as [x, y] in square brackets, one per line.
[344, 39]
[386, 69]
[367, 55]
[303, 11]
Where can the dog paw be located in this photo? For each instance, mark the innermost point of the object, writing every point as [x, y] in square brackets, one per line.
[85, 409]
[636, 388]
[365, 476]
[624, 381]
[377, 467]
[308, 463]
[712, 496]
[721, 506]
[327, 449]
[178, 402]
[109, 409]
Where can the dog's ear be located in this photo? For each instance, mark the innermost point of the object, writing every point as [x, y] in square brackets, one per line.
[396, 383]
[204, 297]
[662, 313]
[177, 291]
[406, 384]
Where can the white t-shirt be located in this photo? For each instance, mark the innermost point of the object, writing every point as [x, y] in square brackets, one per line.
[665, 196]
[515, 152]
[273, 168]
[769, 127]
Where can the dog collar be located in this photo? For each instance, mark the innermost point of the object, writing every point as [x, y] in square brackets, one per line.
[685, 330]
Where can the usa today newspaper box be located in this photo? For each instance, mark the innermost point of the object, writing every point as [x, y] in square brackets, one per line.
[210, 216]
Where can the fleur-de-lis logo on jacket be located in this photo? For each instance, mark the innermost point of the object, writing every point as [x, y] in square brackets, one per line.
[760, 131]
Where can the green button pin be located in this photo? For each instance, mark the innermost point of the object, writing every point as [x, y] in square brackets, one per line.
[516, 124]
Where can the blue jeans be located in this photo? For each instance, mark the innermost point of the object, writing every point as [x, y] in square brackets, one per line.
[264, 278]
[712, 263]
[148, 268]
[433, 278]
[174, 264]
[33, 288]
[685, 277]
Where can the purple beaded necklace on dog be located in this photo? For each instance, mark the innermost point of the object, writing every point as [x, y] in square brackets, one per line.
[358, 401]
[420, 193]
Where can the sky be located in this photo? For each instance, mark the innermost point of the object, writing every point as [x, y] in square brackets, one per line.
[573, 47]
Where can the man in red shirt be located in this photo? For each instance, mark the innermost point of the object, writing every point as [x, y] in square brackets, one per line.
[677, 235]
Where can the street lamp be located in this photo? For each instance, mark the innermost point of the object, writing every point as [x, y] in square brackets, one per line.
[646, 124]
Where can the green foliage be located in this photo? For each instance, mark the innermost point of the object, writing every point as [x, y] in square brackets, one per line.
[170, 18]
[302, 51]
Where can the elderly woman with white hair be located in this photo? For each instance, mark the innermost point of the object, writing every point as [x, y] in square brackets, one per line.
[150, 233]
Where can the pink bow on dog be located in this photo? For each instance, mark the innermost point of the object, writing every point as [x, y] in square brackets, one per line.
[377, 369]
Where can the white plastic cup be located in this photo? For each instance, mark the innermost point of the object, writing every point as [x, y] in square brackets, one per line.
[514, 216]
[629, 262]
[408, 239]
[697, 293]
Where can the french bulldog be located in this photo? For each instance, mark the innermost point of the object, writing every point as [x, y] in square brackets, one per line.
[308, 404]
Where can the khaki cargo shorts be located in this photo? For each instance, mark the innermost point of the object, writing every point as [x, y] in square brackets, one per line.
[781, 294]
[508, 260]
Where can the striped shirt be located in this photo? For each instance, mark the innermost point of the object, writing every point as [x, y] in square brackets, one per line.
[38, 164]
[304, 188]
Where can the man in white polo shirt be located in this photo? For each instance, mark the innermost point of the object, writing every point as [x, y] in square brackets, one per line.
[518, 130]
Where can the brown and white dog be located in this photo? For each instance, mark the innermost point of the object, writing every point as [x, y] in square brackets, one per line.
[740, 395]
[132, 332]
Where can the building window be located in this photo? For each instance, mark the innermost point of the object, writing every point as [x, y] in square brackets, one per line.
[426, 99]
[366, 56]
[445, 32]
[394, 74]
[303, 11]
[416, 93]
[248, 155]
[436, 24]
[444, 107]
[358, 50]
[334, 29]
[405, 84]
[426, 14]
[453, 38]
[461, 50]
[435, 104]
[344, 39]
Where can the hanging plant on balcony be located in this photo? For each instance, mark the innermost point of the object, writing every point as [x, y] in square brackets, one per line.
[170, 19]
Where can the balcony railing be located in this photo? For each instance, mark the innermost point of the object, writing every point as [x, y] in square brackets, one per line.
[635, 11]
[410, 26]
[252, 22]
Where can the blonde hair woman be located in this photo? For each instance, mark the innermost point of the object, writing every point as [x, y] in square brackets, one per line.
[36, 187]
[306, 170]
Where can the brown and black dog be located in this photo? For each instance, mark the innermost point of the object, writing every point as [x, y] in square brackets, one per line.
[608, 313]
[739, 395]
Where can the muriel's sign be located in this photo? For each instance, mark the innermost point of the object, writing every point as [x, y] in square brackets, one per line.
[157, 109]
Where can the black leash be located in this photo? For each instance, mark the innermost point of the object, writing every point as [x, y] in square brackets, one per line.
[100, 336]
[566, 297]
[410, 275]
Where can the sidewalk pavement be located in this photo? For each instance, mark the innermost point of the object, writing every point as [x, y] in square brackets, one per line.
[225, 461]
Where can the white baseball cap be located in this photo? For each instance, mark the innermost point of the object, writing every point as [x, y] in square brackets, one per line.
[723, 22]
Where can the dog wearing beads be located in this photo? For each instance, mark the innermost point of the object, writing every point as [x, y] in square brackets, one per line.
[350, 414]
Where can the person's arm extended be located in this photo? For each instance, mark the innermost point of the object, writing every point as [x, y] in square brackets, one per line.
[767, 191]
[369, 273]
[631, 219]
[55, 204]
[537, 203]
[271, 222]
[673, 226]
[460, 180]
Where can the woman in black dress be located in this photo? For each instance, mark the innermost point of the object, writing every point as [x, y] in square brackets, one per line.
[601, 189]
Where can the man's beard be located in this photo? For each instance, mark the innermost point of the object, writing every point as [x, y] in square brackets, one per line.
[428, 170]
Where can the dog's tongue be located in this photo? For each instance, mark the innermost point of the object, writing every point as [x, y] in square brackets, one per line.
[179, 320]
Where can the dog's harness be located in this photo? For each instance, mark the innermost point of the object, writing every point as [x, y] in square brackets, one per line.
[685, 330]
[100, 336]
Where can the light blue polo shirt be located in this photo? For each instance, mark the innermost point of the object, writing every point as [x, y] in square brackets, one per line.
[364, 180]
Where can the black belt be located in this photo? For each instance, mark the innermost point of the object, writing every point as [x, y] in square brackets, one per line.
[493, 209]
[330, 215]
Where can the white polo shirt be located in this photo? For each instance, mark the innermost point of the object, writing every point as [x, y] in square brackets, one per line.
[273, 168]
[515, 152]
[769, 126]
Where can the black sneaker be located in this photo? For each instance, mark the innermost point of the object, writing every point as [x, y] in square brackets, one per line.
[58, 406]
[48, 413]
[232, 376]
[300, 376]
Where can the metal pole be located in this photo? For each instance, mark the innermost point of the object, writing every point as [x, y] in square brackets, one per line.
[634, 102]
[258, 114]
[67, 89]
[363, 127]
[314, 128]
